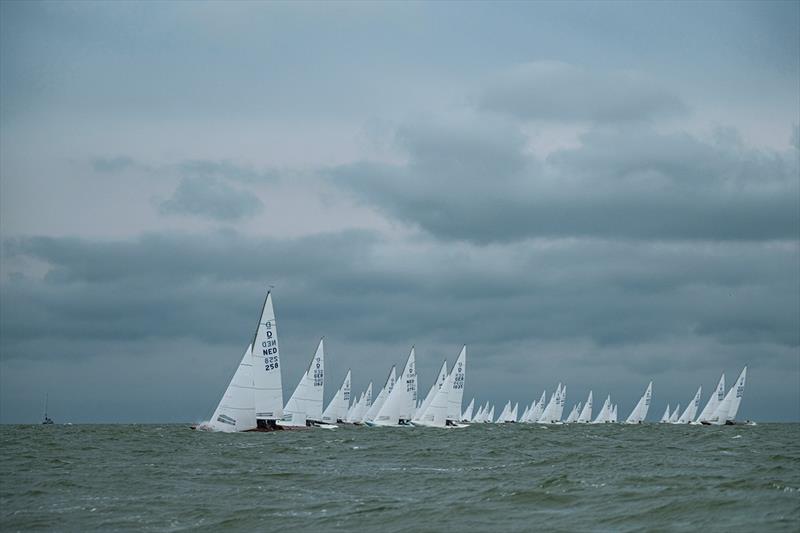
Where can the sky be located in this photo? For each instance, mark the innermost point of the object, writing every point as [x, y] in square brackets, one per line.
[599, 194]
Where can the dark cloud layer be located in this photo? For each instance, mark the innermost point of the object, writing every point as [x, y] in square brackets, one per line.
[543, 308]
[469, 182]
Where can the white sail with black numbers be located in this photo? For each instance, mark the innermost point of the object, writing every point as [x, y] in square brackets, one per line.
[267, 386]
[399, 405]
[456, 389]
[305, 404]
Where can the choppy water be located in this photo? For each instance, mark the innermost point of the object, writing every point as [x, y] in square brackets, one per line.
[482, 478]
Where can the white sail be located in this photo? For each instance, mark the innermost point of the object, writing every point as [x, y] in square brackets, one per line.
[491, 415]
[432, 391]
[504, 413]
[727, 409]
[268, 390]
[478, 415]
[514, 413]
[714, 401]
[381, 398]
[363, 405]
[614, 414]
[562, 401]
[305, 404]
[525, 414]
[538, 409]
[467, 415]
[435, 414]
[551, 411]
[337, 409]
[665, 416]
[402, 398]
[456, 392]
[350, 410]
[604, 415]
[691, 409]
[236, 410]
[639, 412]
[586, 413]
[673, 418]
[573, 414]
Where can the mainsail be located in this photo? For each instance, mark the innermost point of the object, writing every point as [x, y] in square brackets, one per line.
[267, 387]
[456, 389]
[639, 412]
[337, 409]
[714, 401]
[381, 398]
[729, 407]
[691, 409]
[665, 416]
[305, 404]
[467, 415]
[402, 399]
[435, 387]
[586, 412]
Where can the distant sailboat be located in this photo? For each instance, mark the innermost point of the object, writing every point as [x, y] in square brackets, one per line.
[381, 397]
[46, 420]
[586, 413]
[305, 405]
[440, 379]
[400, 403]
[467, 415]
[673, 418]
[691, 409]
[455, 394]
[665, 416]
[336, 412]
[364, 403]
[713, 402]
[604, 416]
[639, 412]
[727, 410]
[552, 413]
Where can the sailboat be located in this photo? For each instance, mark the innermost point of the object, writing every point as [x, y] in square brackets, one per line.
[46, 421]
[613, 419]
[691, 409]
[304, 407]
[435, 413]
[253, 400]
[369, 416]
[552, 413]
[336, 412]
[673, 418]
[573, 415]
[440, 378]
[604, 416]
[467, 415]
[726, 411]
[639, 412]
[525, 414]
[504, 414]
[665, 417]
[361, 407]
[586, 413]
[713, 402]
[538, 408]
[400, 403]
[455, 394]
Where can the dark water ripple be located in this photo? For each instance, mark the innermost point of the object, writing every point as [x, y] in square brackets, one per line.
[483, 478]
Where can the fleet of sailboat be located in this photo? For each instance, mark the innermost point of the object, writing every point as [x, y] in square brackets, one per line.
[253, 400]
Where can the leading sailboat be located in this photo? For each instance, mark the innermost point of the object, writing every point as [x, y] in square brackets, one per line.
[253, 400]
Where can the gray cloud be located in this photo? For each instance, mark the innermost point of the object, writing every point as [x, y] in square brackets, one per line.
[546, 309]
[628, 183]
[553, 90]
[209, 196]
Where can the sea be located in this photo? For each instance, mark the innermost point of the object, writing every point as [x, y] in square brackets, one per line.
[486, 477]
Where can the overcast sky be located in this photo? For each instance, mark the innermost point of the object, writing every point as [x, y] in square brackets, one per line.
[601, 194]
